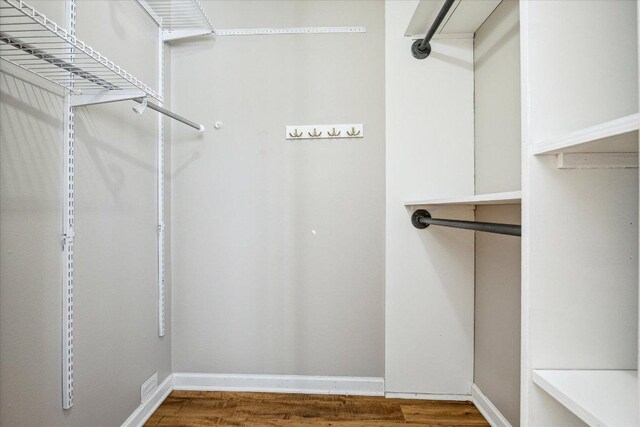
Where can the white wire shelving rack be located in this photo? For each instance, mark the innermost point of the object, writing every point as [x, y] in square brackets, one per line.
[179, 19]
[31, 41]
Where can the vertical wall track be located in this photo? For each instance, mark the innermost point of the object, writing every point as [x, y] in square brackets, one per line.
[68, 228]
[161, 290]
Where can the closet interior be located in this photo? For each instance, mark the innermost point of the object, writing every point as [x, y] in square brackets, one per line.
[421, 200]
[490, 195]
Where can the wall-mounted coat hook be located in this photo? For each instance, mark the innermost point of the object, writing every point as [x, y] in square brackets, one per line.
[353, 132]
[329, 131]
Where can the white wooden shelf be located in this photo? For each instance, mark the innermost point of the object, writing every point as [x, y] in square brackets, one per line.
[506, 198]
[462, 21]
[598, 397]
[615, 136]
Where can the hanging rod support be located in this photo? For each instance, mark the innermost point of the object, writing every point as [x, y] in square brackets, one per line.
[159, 109]
[104, 97]
[420, 49]
[422, 219]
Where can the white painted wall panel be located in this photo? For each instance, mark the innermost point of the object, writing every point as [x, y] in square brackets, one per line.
[497, 101]
[429, 276]
[497, 168]
[582, 71]
[279, 244]
[497, 313]
[583, 272]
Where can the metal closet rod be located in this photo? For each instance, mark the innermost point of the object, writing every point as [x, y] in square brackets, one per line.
[422, 219]
[168, 113]
[420, 49]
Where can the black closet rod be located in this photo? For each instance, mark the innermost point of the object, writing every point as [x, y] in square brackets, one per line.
[422, 219]
[422, 48]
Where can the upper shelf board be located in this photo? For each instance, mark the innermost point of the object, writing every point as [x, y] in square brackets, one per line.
[506, 198]
[179, 18]
[597, 397]
[31, 41]
[615, 136]
[464, 18]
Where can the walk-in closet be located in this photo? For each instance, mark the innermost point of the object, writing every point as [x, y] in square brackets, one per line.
[319, 212]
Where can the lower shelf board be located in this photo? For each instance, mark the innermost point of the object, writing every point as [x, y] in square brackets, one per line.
[506, 198]
[597, 397]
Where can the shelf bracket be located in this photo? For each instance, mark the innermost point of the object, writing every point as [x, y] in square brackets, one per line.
[103, 97]
[170, 35]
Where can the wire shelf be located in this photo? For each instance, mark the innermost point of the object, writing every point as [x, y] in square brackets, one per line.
[31, 41]
[175, 15]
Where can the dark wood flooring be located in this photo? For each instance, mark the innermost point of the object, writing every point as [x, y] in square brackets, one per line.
[200, 408]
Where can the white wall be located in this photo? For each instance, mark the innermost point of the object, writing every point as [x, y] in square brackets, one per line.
[116, 344]
[429, 277]
[497, 313]
[577, 93]
[497, 101]
[497, 168]
[278, 246]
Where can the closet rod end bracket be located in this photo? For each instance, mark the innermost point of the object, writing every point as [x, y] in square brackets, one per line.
[420, 53]
[417, 215]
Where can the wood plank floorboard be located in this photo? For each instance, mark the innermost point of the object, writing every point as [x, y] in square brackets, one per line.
[211, 408]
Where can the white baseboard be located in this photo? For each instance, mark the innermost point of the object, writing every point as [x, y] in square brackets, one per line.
[486, 408]
[429, 396]
[359, 386]
[146, 409]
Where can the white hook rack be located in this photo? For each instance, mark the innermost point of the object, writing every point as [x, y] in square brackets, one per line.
[348, 131]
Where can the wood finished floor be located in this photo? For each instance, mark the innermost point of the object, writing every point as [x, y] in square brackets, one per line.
[207, 408]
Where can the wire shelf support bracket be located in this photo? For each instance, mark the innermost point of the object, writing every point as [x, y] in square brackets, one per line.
[103, 97]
